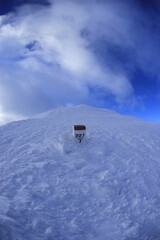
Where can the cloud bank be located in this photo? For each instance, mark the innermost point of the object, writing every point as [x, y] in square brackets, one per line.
[65, 53]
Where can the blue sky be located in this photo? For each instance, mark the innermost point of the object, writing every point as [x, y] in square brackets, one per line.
[67, 52]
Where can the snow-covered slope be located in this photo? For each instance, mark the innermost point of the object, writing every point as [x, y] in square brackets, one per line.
[106, 188]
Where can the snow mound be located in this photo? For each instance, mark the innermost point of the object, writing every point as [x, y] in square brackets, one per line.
[53, 188]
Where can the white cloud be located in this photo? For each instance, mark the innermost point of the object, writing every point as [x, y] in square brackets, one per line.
[47, 61]
[6, 117]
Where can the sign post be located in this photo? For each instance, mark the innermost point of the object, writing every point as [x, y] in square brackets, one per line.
[79, 132]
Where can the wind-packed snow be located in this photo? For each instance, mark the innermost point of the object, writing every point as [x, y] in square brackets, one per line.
[105, 188]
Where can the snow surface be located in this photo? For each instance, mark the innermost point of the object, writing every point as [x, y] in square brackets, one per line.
[53, 188]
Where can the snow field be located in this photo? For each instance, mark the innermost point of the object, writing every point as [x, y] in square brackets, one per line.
[53, 188]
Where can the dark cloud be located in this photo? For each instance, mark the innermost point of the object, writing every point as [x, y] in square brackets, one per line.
[11, 5]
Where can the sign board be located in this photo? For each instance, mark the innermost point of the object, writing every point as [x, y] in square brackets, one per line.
[79, 132]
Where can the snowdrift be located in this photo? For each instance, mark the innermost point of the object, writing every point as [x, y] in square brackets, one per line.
[53, 188]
